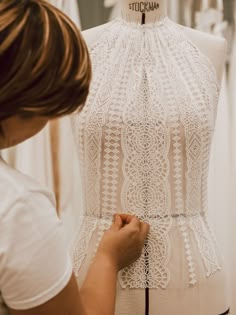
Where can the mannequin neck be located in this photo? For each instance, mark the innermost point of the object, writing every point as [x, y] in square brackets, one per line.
[143, 12]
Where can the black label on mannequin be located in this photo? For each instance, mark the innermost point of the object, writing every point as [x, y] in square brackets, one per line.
[144, 7]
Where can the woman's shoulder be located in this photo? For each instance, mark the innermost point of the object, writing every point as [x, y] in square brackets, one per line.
[16, 186]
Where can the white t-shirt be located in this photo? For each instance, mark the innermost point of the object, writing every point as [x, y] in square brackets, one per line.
[34, 262]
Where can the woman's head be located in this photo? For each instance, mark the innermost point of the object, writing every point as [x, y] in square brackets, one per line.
[44, 63]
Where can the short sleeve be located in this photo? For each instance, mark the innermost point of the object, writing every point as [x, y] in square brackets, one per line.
[34, 261]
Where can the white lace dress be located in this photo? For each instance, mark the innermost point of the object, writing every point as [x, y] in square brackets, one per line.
[143, 140]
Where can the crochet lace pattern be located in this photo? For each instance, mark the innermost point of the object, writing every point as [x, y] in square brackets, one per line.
[143, 141]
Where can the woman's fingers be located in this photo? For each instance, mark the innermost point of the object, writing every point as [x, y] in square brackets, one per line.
[145, 228]
[124, 241]
[131, 222]
[126, 218]
[117, 223]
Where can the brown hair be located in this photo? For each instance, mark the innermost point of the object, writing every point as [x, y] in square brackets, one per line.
[44, 63]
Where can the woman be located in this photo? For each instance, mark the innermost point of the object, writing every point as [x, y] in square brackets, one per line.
[45, 73]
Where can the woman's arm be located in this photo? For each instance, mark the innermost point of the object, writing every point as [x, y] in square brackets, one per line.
[121, 245]
[97, 297]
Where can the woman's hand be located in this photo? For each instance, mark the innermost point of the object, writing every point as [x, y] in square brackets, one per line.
[122, 244]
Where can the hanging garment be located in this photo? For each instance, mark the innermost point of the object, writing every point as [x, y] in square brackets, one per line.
[143, 141]
[66, 185]
[34, 158]
[70, 8]
[220, 181]
[231, 225]
[115, 5]
[173, 7]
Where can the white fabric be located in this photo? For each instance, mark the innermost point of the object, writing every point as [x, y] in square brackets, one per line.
[220, 176]
[69, 185]
[115, 5]
[34, 158]
[34, 263]
[70, 8]
[66, 184]
[110, 3]
[143, 140]
[173, 7]
[232, 218]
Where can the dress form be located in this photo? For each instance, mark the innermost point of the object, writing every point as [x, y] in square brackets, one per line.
[143, 138]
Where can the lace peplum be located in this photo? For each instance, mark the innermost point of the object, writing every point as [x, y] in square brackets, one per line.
[143, 141]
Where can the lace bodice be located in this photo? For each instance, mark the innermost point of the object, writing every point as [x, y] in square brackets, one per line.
[144, 140]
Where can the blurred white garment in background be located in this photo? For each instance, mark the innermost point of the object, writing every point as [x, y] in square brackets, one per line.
[70, 8]
[116, 8]
[34, 158]
[231, 223]
[220, 174]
